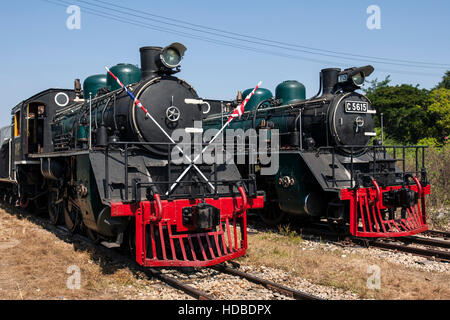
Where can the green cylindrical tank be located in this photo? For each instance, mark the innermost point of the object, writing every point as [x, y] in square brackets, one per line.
[260, 94]
[290, 91]
[127, 74]
[92, 84]
[83, 133]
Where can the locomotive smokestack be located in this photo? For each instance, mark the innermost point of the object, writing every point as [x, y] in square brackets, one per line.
[329, 80]
[149, 56]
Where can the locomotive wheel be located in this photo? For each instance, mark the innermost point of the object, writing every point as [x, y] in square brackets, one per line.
[55, 210]
[272, 214]
[72, 217]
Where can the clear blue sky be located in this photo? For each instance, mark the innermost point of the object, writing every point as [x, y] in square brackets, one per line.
[38, 51]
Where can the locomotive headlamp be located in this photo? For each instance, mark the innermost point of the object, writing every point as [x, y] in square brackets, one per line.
[172, 55]
[353, 78]
[358, 79]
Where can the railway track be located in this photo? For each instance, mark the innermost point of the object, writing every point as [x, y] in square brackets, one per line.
[430, 248]
[434, 249]
[427, 242]
[158, 274]
[295, 294]
[438, 234]
[439, 255]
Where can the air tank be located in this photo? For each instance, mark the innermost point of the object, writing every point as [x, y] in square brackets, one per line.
[127, 73]
[93, 83]
[290, 91]
[260, 95]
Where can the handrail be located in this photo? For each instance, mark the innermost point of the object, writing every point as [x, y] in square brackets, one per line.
[378, 193]
[159, 213]
[244, 200]
[419, 186]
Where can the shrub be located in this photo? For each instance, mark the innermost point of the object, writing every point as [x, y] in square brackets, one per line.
[437, 163]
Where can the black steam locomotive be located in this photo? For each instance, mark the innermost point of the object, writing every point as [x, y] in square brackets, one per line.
[96, 162]
[327, 167]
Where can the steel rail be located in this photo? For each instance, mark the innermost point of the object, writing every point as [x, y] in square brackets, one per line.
[442, 256]
[437, 233]
[426, 241]
[298, 295]
[193, 292]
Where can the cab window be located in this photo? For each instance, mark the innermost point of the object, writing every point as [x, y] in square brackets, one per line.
[17, 124]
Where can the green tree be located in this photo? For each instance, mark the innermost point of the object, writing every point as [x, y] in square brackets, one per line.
[445, 83]
[438, 114]
[404, 110]
[374, 85]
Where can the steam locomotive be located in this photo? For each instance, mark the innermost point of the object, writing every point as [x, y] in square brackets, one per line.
[328, 169]
[98, 164]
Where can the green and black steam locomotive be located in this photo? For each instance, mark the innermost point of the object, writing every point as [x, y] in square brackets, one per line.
[328, 169]
[97, 163]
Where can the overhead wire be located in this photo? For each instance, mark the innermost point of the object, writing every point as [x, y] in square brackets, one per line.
[123, 19]
[262, 41]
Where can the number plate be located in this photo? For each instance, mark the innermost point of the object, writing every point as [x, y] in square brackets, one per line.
[356, 106]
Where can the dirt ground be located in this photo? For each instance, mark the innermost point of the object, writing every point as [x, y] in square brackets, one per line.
[37, 264]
